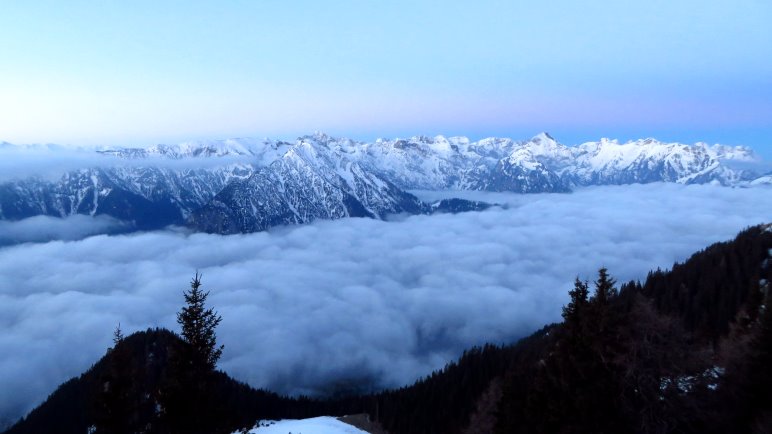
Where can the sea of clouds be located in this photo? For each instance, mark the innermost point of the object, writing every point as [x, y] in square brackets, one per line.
[354, 300]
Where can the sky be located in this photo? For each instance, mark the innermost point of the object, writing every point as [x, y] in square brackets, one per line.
[353, 301]
[144, 72]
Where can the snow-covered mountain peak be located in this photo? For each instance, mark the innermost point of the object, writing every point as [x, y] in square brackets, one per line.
[610, 153]
[494, 147]
[318, 137]
[304, 150]
[736, 153]
[543, 136]
[437, 143]
[236, 147]
[544, 144]
[341, 147]
[459, 140]
[422, 139]
[604, 141]
[443, 145]
[523, 157]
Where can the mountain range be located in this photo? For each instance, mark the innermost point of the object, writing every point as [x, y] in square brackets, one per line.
[246, 185]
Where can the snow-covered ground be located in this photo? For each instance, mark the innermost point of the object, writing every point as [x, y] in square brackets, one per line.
[316, 425]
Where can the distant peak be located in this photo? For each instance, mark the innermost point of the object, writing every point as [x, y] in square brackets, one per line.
[317, 136]
[543, 136]
[422, 139]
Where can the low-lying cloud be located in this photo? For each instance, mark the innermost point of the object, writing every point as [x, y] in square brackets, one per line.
[308, 306]
[45, 228]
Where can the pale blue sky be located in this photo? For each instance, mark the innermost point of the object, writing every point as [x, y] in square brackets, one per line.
[143, 72]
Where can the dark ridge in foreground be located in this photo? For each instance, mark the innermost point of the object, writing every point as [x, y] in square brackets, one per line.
[73, 407]
[689, 350]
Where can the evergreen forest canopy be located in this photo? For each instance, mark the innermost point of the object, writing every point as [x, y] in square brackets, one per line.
[687, 350]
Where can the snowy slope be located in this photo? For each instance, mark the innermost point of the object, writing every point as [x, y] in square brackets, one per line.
[309, 182]
[317, 425]
[130, 193]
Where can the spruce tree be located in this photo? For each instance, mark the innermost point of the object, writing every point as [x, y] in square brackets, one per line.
[604, 287]
[117, 335]
[572, 312]
[189, 396]
[198, 326]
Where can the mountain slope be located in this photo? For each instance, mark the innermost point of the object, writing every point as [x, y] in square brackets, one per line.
[151, 197]
[307, 183]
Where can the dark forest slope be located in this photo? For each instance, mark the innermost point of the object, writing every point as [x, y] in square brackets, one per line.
[75, 405]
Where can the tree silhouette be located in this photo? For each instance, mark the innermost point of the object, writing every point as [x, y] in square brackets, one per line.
[573, 311]
[198, 326]
[604, 287]
[189, 396]
[117, 335]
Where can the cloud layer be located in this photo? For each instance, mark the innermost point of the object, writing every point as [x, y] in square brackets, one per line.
[357, 299]
[45, 228]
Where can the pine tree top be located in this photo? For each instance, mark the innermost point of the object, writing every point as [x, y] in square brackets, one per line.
[198, 324]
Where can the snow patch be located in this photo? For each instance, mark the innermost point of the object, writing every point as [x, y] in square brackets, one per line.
[316, 425]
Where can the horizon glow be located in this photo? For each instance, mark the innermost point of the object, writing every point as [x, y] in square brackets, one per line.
[142, 73]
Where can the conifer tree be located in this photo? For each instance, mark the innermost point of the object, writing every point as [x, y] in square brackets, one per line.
[604, 287]
[572, 312]
[188, 397]
[117, 335]
[198, 325]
